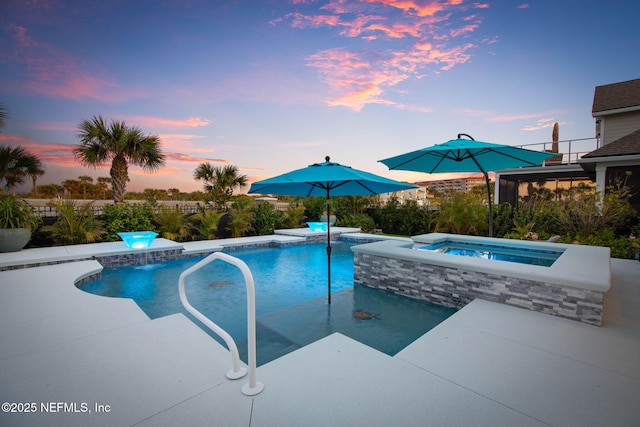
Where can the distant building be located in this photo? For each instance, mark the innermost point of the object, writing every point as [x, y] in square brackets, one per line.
[462, 185]
[418, 194]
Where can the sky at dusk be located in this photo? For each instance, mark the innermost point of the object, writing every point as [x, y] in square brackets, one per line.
[271, 86]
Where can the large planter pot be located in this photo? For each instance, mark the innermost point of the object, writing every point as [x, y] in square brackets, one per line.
[13, 239]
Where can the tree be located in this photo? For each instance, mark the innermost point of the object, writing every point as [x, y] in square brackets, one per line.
[38, 171]
[103, 184]
[71, 186]
[173, 193]
[3, 116]
[84, 180]
[219, 182]
[121, 144]
[50, 191]
[16, 164]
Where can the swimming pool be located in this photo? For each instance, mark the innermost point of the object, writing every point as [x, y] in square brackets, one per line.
[291, 305]
[518, 254]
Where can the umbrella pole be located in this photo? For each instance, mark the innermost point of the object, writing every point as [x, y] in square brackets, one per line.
[328, 249]
[486, 178]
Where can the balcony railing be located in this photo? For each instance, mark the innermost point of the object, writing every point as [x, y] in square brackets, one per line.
[569, 150]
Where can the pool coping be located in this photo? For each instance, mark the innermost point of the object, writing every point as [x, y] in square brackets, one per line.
[488, 365]
[568, 270]
[114, 254]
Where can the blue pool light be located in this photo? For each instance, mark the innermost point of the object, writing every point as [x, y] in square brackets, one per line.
[138, 239]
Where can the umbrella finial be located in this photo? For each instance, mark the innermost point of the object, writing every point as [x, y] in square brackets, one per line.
[327, 158]
[464, 134]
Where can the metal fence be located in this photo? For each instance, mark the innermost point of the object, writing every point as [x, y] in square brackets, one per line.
[46, 208]
[570, 150]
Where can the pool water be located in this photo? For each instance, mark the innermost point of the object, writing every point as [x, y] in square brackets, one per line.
[291, 299]
[522, 255]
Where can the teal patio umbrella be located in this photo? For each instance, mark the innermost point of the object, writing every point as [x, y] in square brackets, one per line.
[327, 179]
[467, 155]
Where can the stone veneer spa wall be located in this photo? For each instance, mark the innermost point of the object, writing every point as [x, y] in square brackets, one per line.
[396, 267]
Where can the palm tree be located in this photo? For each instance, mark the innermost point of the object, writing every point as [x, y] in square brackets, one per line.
[219, 182]
[71, 186]
[120, 144]
[16, 164]
[39, 171]
[3, 115]
[103, 184]
[84, 180]
[173, 193]
[50, 191]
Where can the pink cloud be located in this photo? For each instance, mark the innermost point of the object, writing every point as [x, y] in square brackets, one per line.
[544, 119]
[51, 72]
[54, 153]
[356, 80]
[466, 29]
[186, 158]
[160, 122]
[410, 7]
[425, 34]
[515, 117]
[542, 124]
[524, 6]
[299, 20]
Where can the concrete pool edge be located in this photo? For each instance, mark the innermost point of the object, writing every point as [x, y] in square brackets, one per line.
[117, 254]
[573, 287]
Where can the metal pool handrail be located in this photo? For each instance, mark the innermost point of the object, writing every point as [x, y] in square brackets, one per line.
[253, 387]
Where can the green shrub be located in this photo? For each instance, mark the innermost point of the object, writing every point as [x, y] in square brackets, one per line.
[266, 219]
[462, 213]
[172, 224]
[204, 224]
[362, 221]
[315, 206]
[17, 213]
[75, 224]
[127, 217]
[241, 216]
[293, 217]
[586, 212]
[387, 217]
[413, 219]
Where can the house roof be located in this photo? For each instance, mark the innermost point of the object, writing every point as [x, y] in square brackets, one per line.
[616, 96]
[625, 146]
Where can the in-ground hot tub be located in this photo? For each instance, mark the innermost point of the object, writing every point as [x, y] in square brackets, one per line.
[572, 286]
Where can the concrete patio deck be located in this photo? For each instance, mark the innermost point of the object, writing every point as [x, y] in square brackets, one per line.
[91, 360]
